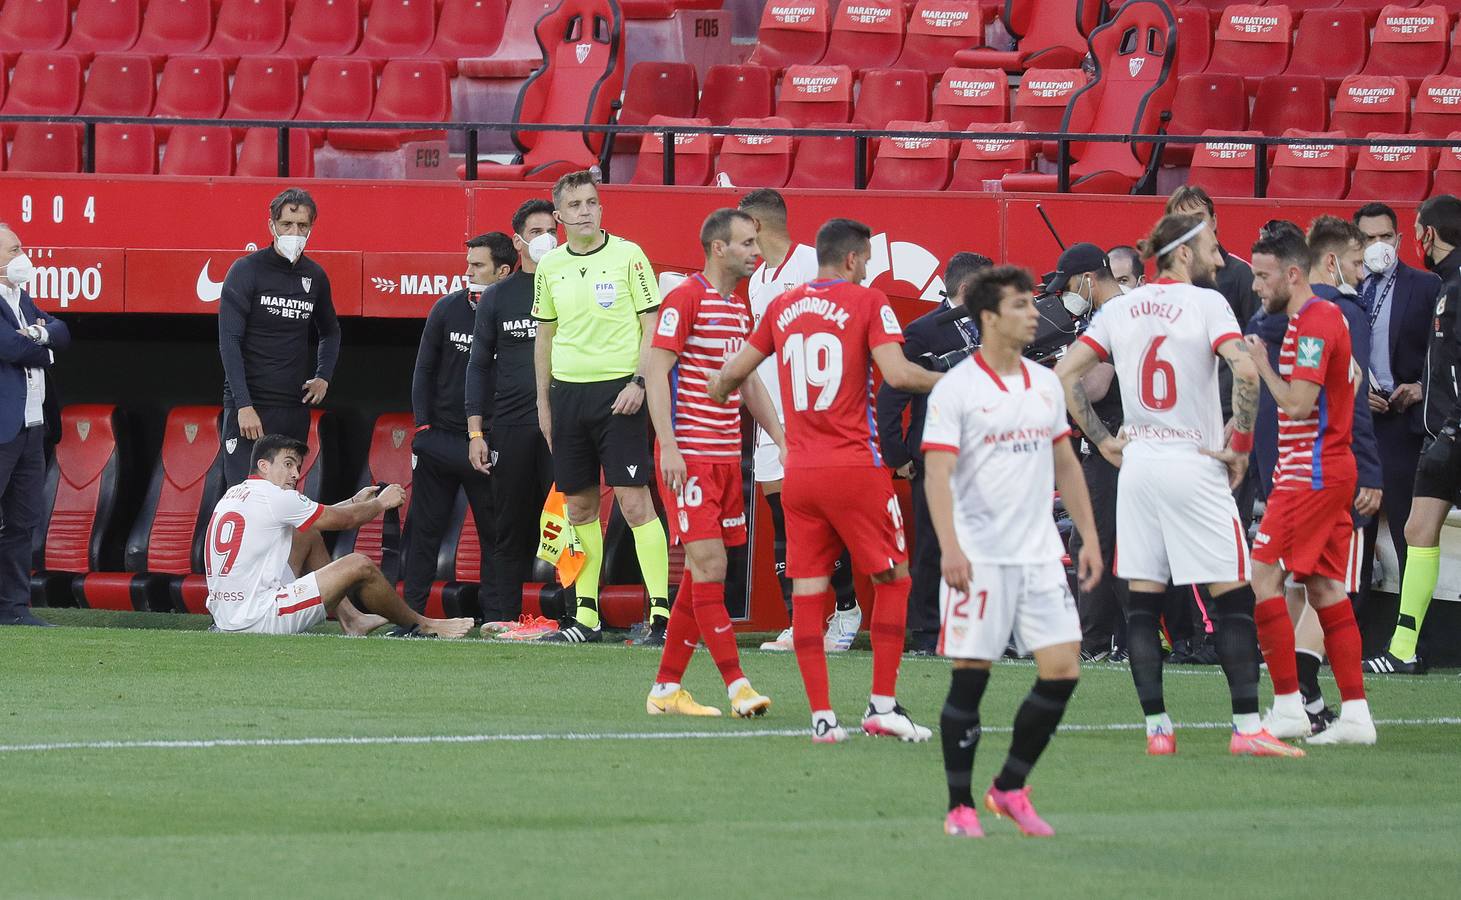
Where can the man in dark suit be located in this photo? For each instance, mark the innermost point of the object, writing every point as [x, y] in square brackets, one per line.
[1399, 300]
[27, 339]
[925, 340]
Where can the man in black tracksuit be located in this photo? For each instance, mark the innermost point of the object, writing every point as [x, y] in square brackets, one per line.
[439, 449]
[271, 301]
[502, 415]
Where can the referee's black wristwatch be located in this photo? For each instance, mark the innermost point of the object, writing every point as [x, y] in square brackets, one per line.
[638, 380]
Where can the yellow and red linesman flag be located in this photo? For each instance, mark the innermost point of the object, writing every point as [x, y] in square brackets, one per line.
[557, 544]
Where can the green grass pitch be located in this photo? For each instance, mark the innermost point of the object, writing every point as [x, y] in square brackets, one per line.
[517, 808]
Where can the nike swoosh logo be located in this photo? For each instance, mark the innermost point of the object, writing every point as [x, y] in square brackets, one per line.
[208, 290]
[723, 629]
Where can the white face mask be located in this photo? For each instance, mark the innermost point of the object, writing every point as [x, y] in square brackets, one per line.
[1344, 287]
[476, 288]
[20, 271]
[1125, 289]
[290, 246]
[1074, 303]
[1379, 257]
[539, 246]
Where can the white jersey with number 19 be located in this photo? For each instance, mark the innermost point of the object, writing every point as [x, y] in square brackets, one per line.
[1163, 339]
[247, 557]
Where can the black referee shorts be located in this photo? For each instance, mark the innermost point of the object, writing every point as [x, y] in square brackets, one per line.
[587, 436]
[1438, 471]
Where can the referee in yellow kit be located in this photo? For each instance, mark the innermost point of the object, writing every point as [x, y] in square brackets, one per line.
[596, 301]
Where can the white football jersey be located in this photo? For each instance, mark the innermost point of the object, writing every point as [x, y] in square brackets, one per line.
[247, 554]
[799, 267]
[1163, 339]
[1003, 429]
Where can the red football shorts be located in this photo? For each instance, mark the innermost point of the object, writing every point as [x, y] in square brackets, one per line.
[830, 508]
[1307, 532]
[710, 505]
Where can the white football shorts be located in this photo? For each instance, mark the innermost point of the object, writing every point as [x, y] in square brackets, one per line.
[1030, 600]
[295, 608]
[1176, 520]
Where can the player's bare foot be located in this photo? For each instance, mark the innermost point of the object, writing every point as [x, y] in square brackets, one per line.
[447, 628]
[356, 623]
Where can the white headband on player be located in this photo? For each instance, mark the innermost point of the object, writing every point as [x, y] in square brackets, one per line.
[1192, 233]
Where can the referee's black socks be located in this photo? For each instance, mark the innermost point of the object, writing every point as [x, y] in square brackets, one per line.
[1035, 723]
[959, 732]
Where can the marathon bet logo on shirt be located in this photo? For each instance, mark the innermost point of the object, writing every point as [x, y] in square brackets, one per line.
[1310, 351]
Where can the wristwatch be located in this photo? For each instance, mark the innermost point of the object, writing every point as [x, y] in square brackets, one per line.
[638, 380]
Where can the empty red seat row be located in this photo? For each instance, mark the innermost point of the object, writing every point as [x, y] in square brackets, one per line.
[134, 149]
[868, 34]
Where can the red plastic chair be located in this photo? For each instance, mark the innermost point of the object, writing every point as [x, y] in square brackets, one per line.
[517, 54]
[41, 147]
[757, 161]
[1412, 43]
[192, 87]
[824, 162]
[937, 30]
[1448, 168]
[174, 26]
[912, 164]
[1205, 103]
[118, 84]
[968, 96]
[1331, 44]
[1399, 172]
[816, 94]
[322, 28]
[398, 29]
[1437, 110]
[339, 89]
[889, 94]
[1309, 171]
[1194, 38]
[264, 87]
[1049, 34]
[693, 155]
[656, 88]
[737, 92]
[1252, 41]
[258, 154]
[1225, 168]
[1290, 101]
[31, 25]
[44, 83]
[105, 26]
[248, 27]
[1370, 103]
[198, 150]
[1043, 95]
[411, 90]
[126, 150]
[983, 159]
[866, 34]
[792, 34]
[468, 28]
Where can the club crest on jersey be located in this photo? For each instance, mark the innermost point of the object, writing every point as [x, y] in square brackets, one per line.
[1310, 351]
[669, 321]
[306, 281]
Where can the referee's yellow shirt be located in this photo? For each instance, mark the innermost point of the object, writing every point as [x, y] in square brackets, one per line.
[595, 299]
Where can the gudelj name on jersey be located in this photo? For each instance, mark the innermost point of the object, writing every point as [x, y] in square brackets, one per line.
[817, 306]
[1169, 311]
[288, 307]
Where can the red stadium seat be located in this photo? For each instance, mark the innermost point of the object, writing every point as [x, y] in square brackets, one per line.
[119, 84]
[411, 90]
[866, 34]
[468, 28]
[1290, 101]
[248, 28]
[105, 26]
[1397, 172]
[1309, 171]
[1367, 103]
[322, 28]
[983, 159]
[192, 87]
[40, 147]
[32, 25]
[1225, 168]
[824, 162]
[1301, 9]
[1194, 38]
[1437, 110]
[1448, 168]
[1252, 41]
[264, 87]
[737, 92]
[816, 93]
[937, 30]
[1205, 103]
[1409, 42]
[198, 150]
[44, 83]
[389, 462]
[1049, 34]
[757, 160]
[912, 164]
[126, 150]
[258, 154]
[1043, 95]
[1331, 44]
[889, 94]
[968, 96]
[792, 34]
[656, 88]
[398, 29]
[339, 89]
[517, 54]
[174, 26]
[693, 155]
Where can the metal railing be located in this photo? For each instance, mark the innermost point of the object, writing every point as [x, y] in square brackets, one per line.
[860, 136]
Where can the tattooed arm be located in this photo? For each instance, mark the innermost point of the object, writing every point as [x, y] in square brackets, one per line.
[1079, 360]
[1245, 411]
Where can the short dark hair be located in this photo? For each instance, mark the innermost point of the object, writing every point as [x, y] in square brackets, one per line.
[764, 203]
[1331, 234]
[717, 226]
[1169, 228]
[1374, 210]
[271, 445]
[1133, 256]
[1190, 195]
[529, 208]
[1443, 213]
[839, 237]
[293, 197]
[574, 180]
[499, 245]
[961, 266]
[1287, 246]
[985, 288]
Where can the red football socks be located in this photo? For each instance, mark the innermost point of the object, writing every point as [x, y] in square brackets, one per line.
[806, 638]
[1342, 644]
[1276, 637]
[715, 629]
[890, 618]
[681, 636]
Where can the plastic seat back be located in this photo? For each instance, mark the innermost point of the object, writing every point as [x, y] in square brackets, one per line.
[42, 147]
[693, 155]
[249, 27]
[936, 31]
[119, 84]
[866, 34]
[968, 96]
[126, 150]
[792, 33]
[889, 94]
[981, 160]
[1437, 110]
[1225, 168]
[398, 29]
[411, 90]
[1051, 33]
[322, 28]
[192, 87]
[518, 54]
[82, 489]
[187, 482]
[1194, 38]
[468, 28]
[389, 461]
[264, 87]
[824, 162]
[175, 26]
[757, 160]
[1252, 41]
[912, 164]
[1290, 101]
[105, 26]
[581, 77]
[1448, 167]
[1309, 171]
[339, 89]
[44, 83]
[737, 92]
[1331, 44]
[656, 88]
[1367, 103]
[1393, 170]
[1205, 103]
[258, 154]
[1412, 43]
[1043, 96]
[198, 150]
[29, 25]
[816, 94]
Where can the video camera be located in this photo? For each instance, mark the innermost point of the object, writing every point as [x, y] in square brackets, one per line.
[1058, 330]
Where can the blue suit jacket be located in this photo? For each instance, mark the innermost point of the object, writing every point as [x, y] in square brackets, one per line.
[18, 353]
[1414, 300]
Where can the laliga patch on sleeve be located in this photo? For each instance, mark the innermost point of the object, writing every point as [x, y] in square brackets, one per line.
[669, 322]
[1310, 352]
[890, 321]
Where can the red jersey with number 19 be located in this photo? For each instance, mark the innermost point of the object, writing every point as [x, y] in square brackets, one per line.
[822, 334]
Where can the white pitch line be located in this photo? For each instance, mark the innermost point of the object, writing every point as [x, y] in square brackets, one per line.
[220, 743]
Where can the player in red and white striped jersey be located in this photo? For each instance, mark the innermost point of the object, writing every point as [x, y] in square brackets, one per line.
[702, 323]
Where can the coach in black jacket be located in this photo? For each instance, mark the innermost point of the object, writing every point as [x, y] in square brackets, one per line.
[924, 339]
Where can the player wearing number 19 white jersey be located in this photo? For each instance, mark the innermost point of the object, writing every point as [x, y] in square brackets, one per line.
[250, 584]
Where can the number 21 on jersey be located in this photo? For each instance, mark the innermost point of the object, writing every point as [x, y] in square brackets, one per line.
[815, 361]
